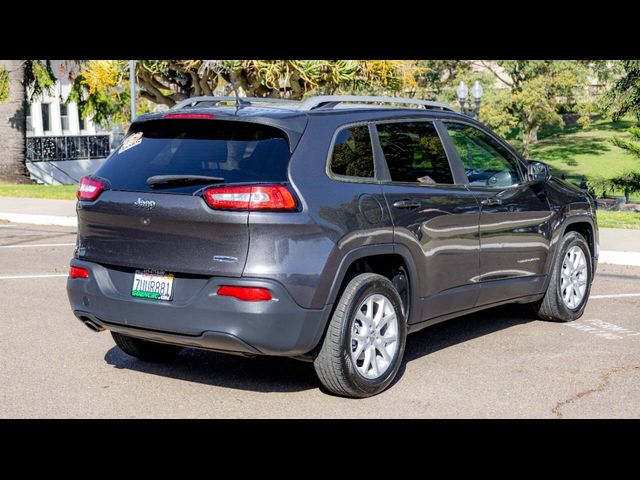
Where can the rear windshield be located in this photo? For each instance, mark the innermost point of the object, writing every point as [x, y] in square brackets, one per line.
[236, 151]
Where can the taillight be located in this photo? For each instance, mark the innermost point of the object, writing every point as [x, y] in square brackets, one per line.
[78, 272]
[89, 188]
[250, 197]
[246, 294]
[189, 115]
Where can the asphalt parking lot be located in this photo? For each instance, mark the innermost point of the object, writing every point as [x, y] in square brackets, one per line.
[495, 364]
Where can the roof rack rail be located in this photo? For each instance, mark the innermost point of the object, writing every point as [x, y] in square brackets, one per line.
[330, 101]
[242, 100]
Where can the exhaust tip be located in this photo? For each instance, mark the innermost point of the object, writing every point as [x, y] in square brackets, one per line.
[91, 325]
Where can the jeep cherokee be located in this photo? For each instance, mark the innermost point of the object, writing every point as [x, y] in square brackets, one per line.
[324, 230]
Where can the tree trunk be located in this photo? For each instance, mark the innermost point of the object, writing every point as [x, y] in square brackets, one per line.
[13, 126]
[529, 137]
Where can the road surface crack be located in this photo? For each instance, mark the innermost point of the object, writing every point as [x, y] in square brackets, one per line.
[605, 380]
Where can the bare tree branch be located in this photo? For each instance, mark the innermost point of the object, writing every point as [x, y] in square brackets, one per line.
[488, 66]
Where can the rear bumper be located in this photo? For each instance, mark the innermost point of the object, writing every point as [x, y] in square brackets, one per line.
[197, 317]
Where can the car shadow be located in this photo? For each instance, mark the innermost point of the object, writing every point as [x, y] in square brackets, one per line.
[274, 374]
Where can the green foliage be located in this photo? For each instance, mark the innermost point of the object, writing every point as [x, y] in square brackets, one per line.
[624, 96]
[632, 147]
[435, 77]
[628, 181]
[59, 192]
[531, 95]
[599, 184]
[613, 219]
[39, 77]
[4, 84]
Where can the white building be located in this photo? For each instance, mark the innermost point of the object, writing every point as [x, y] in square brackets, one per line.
[61, 146]
[48, 115]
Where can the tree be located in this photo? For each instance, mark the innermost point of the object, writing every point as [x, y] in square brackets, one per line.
[534, 89]
[629, 181]
[18, 78]
[12, 122]
[101, 87]
[624, 96]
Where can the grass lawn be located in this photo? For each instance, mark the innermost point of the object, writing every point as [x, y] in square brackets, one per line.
[608, 219]
[574, 152]
[60, 192]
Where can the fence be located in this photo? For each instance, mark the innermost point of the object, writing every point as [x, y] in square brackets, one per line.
[77, 147]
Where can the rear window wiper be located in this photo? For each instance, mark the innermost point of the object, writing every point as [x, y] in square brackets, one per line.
[160, 181]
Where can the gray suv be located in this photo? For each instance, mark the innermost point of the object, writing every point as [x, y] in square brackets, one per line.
[324, 230]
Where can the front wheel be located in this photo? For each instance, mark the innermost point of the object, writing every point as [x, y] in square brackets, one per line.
[364, 344]
[570, 282]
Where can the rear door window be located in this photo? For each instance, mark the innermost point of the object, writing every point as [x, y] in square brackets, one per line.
[239, 152]
[352, 153]
[414, 153]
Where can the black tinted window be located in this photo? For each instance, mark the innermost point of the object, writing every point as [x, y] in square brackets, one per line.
[414, 153]
[235, 151]
[486, 162]
[352, 154]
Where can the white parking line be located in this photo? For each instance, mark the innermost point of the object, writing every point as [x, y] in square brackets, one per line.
[15, 277]
[35, 245]
[603, 329]
[616, 295]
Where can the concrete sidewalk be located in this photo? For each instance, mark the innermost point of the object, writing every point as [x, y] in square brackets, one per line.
[617, 246]
[38, 211]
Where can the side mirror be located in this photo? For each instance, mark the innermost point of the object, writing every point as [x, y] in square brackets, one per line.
[537, 171]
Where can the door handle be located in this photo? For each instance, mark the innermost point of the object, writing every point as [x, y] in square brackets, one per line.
[407, 204]
[491, 202]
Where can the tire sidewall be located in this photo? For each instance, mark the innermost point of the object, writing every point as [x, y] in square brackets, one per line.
[361, 384]
[571, 240]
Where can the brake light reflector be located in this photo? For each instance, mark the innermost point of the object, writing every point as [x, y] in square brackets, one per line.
[250, 197]
[246, 294]
[188, 115]
[89, 188]
[78, 272]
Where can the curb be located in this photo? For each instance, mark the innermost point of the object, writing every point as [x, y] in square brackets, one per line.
[615, 257]
[40, 219]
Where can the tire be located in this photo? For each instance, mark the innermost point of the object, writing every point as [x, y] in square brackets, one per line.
[144, 349]
[334, 365]
[552, 307]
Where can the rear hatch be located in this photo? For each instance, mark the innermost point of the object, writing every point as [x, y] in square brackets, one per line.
[169, 226]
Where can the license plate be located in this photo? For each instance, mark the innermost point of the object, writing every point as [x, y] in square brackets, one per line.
[152, 285]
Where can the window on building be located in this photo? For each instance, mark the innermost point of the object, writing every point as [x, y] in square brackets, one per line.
[29, 121]
[64, 117]
[81, 121]
[46, 119]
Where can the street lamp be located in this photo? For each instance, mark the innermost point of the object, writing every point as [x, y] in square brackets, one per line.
[468, 108]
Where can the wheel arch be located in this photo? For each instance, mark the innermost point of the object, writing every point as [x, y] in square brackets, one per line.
[382, 259]
[583, 224]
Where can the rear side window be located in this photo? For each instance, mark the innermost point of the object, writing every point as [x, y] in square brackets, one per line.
[352, 154]
[414, 153]
[236, 151]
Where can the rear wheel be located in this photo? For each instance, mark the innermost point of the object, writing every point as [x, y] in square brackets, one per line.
[144, 349]
[570, 283]
[364, 345]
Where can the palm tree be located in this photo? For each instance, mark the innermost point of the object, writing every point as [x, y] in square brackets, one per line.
[13, 125]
